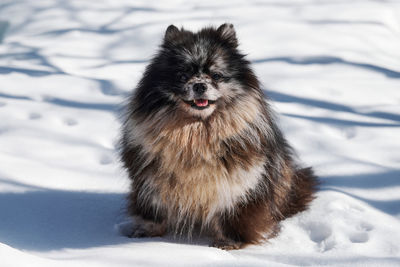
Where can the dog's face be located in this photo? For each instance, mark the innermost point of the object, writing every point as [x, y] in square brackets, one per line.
[201, 71]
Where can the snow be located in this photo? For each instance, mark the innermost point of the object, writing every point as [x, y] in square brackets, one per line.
[331, 67]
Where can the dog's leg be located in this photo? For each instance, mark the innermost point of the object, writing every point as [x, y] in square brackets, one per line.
[220, 239]
[147, 228]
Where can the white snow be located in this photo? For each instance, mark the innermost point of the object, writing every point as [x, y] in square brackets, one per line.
[331, 67]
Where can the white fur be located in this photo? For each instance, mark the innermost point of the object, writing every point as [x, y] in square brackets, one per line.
[235, 188]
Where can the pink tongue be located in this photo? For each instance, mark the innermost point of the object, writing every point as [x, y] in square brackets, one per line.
[201, 102]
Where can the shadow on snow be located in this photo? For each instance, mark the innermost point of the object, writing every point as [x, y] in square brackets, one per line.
[286, 98]
[44, 219]
[368, 182]
[325, 60]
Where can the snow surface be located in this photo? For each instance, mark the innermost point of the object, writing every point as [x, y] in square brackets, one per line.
[332, 68]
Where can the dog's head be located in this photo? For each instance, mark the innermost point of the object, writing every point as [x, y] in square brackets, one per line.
[203, 71]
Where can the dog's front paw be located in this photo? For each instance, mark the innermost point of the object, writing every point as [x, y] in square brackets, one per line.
[146, 228]
[227, 244]
[139, 232]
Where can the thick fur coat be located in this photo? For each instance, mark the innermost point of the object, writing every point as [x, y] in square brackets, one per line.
[202, 149]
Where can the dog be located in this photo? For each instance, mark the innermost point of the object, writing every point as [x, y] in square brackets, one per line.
[202, 149]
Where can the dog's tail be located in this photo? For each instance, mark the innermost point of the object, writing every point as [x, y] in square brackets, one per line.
[305, 183]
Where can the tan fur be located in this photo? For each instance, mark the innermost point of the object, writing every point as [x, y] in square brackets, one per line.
[190, 179]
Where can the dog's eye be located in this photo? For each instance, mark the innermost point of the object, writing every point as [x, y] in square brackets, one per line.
[216, 76]
[183, 77]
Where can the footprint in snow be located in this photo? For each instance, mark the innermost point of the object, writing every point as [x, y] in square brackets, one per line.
[360, 237]
[321, 234]
[70, 122]
[365, 226]
[34, 116]
[356, 208]
[349, 133]
[104, 160]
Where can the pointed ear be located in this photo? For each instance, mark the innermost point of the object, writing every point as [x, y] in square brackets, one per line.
[171, 33]
[228, 33]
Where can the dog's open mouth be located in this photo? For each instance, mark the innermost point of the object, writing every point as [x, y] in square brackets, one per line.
[200, 103]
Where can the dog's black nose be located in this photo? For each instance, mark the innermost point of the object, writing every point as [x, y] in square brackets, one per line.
[199, 88]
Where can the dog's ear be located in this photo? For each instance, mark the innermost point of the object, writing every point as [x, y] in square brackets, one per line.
[227, 32]
[171, 33]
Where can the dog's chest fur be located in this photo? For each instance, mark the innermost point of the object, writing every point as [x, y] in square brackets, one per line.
[207, 188]
[192, 179]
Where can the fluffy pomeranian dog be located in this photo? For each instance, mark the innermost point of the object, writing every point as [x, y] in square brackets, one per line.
[202, 149]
